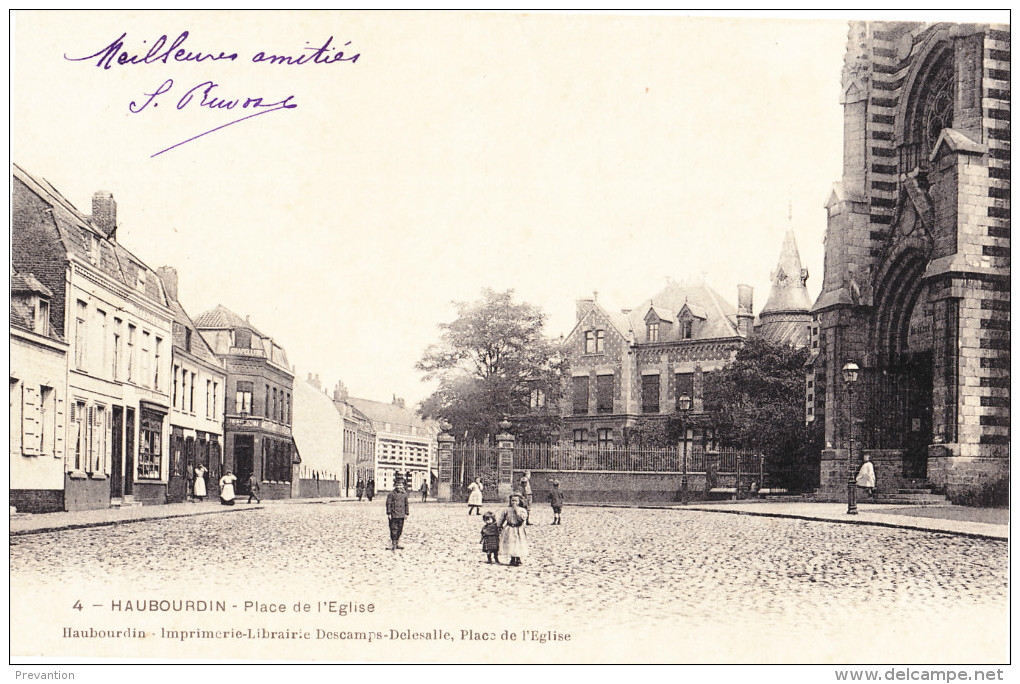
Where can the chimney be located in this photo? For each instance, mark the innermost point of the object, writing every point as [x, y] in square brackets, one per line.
[583, 307]
[339, 392]
[313, 380]
[398, 401]
[104, 214]
[168, 274]
[745, 310]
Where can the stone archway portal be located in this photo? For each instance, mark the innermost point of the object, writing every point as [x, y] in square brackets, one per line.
[902, 410]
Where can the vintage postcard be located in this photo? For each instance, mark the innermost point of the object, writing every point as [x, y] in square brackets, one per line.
[510, 337]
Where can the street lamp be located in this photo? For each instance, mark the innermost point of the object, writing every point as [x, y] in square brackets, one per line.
[683, 404]
[850, 372]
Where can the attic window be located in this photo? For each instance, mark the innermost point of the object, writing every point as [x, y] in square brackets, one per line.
[594, 341]
[686, 329]
[41, 324]
[187, 339]
[653, 331]
[242, 338]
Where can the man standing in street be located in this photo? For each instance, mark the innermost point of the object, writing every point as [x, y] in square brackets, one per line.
[397, 509]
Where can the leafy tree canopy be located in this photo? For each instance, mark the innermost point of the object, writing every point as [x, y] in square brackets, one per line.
[488, 361]
[757, 402]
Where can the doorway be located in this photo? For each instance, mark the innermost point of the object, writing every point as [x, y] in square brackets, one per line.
[244, 461]
[129, 452]
[117, 453]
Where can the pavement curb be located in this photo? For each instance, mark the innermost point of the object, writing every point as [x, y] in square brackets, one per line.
[797, 516]
[125, 521]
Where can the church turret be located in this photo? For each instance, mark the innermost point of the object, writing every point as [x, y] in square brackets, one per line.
[787, 312]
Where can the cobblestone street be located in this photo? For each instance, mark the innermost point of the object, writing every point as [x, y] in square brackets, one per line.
[660, 585]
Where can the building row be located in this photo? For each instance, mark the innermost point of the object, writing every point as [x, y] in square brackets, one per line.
[117, 395]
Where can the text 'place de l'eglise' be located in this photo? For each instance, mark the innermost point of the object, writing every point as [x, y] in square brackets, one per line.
[118, 394]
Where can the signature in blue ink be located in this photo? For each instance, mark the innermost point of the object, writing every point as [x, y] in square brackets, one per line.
[202, 96]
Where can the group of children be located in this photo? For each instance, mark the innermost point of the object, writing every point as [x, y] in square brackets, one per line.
[508, 536]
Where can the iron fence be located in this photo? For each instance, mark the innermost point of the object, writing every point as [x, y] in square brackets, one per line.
[632, 459]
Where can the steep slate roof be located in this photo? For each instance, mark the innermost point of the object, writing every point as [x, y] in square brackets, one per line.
[788, 292]
[222, 318]
[199, 347]
[385, 412]
[77, 235]
[719, 320]
[26, 282]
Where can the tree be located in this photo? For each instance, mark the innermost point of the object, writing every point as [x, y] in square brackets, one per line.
[757, 403]
[489, 362]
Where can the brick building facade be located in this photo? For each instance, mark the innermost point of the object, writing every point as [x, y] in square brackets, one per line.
[917, 257]
[259, 404]
[118, 327]
[629, 369]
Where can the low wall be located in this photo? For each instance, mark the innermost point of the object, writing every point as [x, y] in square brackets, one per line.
[149, 493]
[598, 486]
[310, 489]
[37, 500]
[82, 493]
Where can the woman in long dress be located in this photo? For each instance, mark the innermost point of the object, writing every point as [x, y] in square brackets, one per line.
[475, 496]
[513, 540]
[227, 489]
[200, 472]
[866, 476]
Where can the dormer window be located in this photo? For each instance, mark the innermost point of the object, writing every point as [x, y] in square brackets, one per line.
[41, 324]
[242, 338]
[686, 329]
[653, 331]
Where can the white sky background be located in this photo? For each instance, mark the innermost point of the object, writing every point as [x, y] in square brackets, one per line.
[553, 154]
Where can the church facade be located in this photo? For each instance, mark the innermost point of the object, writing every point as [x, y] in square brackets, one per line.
[917, 255]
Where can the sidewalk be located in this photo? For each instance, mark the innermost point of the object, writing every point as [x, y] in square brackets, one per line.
[868, 514]
[34, 523]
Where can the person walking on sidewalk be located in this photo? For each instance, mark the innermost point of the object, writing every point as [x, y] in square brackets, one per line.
[254, 488]
[359, 489]
[424, 490]
[866, 476]
[227, 488]
[370, 488]
[397, 510]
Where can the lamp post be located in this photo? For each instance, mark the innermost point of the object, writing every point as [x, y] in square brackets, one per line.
[683, 404]
[850, 372]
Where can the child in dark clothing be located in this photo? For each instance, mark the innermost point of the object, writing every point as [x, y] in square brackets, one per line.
[556, 499]
[490, 537]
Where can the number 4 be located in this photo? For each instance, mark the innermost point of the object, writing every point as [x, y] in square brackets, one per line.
[77, 605]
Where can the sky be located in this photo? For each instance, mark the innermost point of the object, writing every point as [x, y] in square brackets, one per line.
[446, 152]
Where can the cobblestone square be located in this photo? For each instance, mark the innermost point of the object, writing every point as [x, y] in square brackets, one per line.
[629, 585]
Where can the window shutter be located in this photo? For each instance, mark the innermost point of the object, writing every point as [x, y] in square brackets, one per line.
[30, 421]
[109, 439]
[90, 419]
[58, 429]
